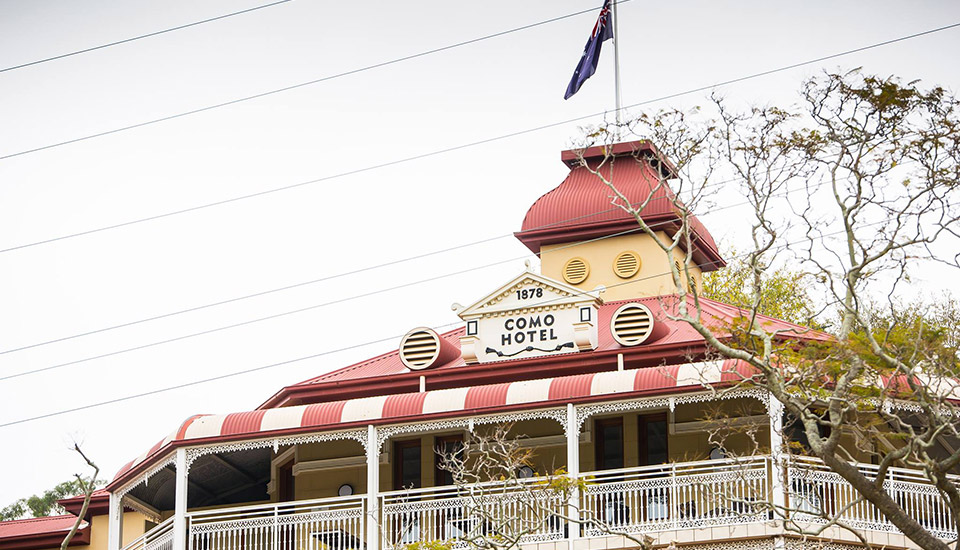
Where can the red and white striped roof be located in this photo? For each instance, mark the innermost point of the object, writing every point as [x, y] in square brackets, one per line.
[486, 399]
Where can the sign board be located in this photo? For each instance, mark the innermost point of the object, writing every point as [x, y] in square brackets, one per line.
[528, 317]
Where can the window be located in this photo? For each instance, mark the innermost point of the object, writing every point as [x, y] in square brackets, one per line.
[653, 439]
[794, 432]
[285, 482]
[451, 444]
[609, 443]
[406, 465]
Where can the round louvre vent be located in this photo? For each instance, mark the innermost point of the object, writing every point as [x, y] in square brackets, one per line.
[631, 324]
[626, 264]
[419, 348]
[576, 271]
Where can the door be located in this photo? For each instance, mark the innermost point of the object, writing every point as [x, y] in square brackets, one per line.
[406, 475]
[653, 450]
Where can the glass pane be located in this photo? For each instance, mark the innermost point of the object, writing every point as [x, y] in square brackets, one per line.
[611, 439]
[410, 466]
[657, 442]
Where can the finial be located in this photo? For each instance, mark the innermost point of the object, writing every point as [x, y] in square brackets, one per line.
[455, 307]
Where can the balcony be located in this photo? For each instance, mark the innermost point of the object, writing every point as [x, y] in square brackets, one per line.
[670, 498]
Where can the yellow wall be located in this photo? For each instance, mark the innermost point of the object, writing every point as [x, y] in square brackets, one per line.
[653, 278]
[134, 524]
[326, 483]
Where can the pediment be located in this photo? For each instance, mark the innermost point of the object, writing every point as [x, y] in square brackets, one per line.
[530, 291]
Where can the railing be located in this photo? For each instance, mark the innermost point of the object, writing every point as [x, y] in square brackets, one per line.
[158, 538]
[526, 510]
[815, 492]
[675, 496]
[330, 523]
[631, 500]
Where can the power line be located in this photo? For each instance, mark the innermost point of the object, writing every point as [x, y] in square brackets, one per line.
[290, 361]
[290, 312]
[324, 279]
[312, 281]
[334, 302]
[142, 36]
[207, 380]
[449, 149]
[303, 84]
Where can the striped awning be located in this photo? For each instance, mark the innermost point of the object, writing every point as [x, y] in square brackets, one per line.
[527, 394]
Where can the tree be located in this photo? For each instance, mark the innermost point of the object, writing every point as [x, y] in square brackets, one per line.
[88, 486]
[501, 507]
[858, 189]
[785, 294]
[45, 503]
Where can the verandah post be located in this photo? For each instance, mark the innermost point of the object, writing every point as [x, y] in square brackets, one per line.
[373, 489]
[777, 488]
[115, 527]
[180, 502]
[573, 470]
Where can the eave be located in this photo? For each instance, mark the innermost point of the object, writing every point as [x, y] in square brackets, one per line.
[488, 373]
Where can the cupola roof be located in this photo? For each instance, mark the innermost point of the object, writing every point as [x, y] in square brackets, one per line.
[580, 208]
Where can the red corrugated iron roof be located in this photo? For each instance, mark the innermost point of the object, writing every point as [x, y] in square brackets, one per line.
[580, 207]
[716, 314]
[482, 399]
[36, 526]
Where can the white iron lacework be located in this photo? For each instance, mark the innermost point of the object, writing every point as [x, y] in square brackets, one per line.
[386, 432]
[145, 477]
[793, 544]
[196, 452]
[279, 520]
[586, 411]
[748, 544]
[136, 506]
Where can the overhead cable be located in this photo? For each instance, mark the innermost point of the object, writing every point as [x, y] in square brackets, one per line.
[438, 152]
[320, 354]
[302, 84]
[337, 301]
[142, 36]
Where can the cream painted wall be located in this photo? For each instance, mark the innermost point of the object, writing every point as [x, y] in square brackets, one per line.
[134, 524]
[652, 279]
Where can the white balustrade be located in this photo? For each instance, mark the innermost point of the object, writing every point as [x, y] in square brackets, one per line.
[675, 496]
[158, 538]
[323, 524]
[528, 510]
[814, 491]
[630, 500]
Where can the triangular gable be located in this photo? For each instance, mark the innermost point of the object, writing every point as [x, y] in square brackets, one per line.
[506, 298]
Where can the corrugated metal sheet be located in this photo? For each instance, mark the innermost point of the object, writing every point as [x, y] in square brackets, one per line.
[454, 401]
[716, 314]
[37, 526]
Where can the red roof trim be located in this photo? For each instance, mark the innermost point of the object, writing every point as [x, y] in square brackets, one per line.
[323, 413]
[571, 386]
[492, 396]
[244, 422]
[404, 404]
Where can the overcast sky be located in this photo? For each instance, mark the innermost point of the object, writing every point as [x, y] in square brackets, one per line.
[496, 87]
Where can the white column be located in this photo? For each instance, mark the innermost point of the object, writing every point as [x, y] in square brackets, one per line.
[775, 411]
[115, 523]
[573, 469]
[373, 489]
[180, 502]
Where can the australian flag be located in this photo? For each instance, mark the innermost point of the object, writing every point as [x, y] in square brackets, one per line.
[603, 30]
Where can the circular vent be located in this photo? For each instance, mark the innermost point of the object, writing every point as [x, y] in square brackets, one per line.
[631, 324]
[419, 348]
[626, 264]
[576, 271]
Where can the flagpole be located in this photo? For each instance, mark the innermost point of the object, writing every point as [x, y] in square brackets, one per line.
[616, 61]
